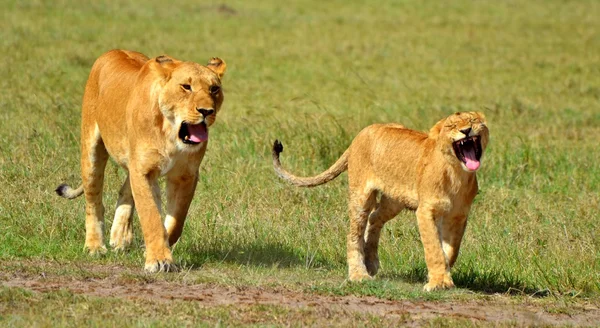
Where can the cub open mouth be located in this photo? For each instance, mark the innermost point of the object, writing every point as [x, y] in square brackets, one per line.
[468, 151]
[193, 134]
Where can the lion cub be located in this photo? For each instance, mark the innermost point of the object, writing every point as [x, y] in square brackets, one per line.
[152, 116]
[432, 174]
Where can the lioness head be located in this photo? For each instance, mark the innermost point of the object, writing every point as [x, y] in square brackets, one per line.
[189, 96]
[463, 137]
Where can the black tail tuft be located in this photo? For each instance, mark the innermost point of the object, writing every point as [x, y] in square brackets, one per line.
[277, 147]
[60, 190]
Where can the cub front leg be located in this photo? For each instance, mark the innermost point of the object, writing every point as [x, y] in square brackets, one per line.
[180, 191]
[146, 194]
[438, 270]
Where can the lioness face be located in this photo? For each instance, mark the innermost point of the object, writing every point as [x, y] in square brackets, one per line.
[468, 134]
[190, 100]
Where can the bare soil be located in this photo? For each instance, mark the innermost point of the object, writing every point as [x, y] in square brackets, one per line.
[112, 284]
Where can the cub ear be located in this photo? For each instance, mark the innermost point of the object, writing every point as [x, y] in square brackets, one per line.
[217, 65]
[481, 117]
[434, 132]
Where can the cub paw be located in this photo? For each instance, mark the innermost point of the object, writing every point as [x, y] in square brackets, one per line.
[160, 266]
[95, 249]
[359, 276]
[372, 267]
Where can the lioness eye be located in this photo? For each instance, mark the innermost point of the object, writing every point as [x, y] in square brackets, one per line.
[186, 87]
[214, 89]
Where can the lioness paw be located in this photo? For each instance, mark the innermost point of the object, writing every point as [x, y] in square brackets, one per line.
[120, 237]
[120, 245]
[445, 283]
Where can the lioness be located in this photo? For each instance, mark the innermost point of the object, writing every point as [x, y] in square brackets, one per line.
[152, 117]
[433, 174]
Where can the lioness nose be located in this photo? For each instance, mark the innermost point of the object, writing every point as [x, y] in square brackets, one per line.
[466, 131]
[205, 112]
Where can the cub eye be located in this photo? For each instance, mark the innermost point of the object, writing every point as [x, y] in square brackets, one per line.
[186, 87]
[214, 89]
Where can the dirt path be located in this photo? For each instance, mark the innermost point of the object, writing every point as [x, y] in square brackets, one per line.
[211, 295]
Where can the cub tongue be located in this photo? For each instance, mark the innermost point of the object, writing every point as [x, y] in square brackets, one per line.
[471, 161]
[198, 132]
[471, 164]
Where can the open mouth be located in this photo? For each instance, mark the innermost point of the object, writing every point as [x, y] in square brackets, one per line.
[468, 151]
[193, 134]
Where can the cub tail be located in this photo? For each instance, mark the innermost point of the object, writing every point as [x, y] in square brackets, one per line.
[331, 173]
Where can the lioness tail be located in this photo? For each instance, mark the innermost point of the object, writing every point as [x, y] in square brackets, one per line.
[64, 190]
[331, 173]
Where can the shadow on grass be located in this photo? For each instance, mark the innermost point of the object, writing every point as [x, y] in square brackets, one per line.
[483, 282]
[263, 255]
[283, 256]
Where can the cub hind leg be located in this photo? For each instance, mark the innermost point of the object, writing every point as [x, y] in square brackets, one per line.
[453, 230]
[93, 162]
[360, 205]
[386, 210]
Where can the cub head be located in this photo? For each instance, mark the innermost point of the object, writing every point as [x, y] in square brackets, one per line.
[462, 137]
[189, 97]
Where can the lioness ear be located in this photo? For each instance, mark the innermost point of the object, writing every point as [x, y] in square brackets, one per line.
[217, 65]
[434, 132]
[162, 66]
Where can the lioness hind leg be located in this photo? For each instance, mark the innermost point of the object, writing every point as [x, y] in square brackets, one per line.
[121, 232]
[360, 205]
[386, 210]
[93, 161]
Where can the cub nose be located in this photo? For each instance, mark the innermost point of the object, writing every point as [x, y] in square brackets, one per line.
[205, 112]
[466, 131]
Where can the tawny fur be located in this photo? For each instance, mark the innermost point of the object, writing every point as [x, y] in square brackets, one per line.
[411, 170]
[133, 109]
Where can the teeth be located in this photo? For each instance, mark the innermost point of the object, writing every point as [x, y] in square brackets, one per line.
[186, 138]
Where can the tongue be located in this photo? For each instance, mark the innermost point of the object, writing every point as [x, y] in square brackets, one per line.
[471, 164]
[198, 132]
[470, 159]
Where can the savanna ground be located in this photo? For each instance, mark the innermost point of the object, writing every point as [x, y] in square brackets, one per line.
[256, 251]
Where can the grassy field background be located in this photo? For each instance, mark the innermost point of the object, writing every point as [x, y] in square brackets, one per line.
[313, 74]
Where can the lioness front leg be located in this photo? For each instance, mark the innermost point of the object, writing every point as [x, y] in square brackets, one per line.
[438, 271]
[146, 194]
[180, 191]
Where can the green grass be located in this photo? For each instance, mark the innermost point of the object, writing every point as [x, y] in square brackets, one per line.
[313, 74]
